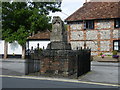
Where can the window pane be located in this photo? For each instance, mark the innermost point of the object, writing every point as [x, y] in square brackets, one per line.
[117, 23]
[116, 48]
[89, 24]
[116, 43]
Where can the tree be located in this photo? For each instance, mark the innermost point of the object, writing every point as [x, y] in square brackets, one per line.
[20, 19]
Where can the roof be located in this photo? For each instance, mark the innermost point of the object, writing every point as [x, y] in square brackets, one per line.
[96, 10]
[41, 35]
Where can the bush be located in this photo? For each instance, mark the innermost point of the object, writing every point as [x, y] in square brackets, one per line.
[109, 55]
[114, 52]
[101, 54]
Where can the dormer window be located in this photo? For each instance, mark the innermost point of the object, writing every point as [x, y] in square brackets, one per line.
[117, 23]
[89, 24]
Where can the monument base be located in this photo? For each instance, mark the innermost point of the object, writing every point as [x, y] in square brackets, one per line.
[59, 62]
[59, 46]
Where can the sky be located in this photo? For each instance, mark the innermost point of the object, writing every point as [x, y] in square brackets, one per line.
[68, 7]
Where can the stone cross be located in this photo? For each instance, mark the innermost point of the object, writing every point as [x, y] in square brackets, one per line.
[58, 33]
[58, 36]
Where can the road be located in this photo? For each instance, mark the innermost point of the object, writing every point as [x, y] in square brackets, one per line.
[19, 82]
[102, 75]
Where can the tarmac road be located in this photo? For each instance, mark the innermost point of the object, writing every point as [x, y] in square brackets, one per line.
[18, 82]
[102, 72]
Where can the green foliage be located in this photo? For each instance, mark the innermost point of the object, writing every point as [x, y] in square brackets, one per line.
[14, 16]
[21, 35]
[65, 26]
[101, 54]
[114, 52]
[40, 50]
[109, 55]
[39, 22]
[46, 7]
[20, 19]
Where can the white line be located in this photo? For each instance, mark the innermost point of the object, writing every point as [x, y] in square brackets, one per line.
[63, 80]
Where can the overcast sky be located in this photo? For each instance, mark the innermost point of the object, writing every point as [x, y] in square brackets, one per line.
[68, 7]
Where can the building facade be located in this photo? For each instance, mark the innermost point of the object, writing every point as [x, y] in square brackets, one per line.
[14, 49]
[41, 38]
[96, 24]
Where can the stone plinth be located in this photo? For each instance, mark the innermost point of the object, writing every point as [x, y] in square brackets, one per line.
[59, 46]
[59, 62]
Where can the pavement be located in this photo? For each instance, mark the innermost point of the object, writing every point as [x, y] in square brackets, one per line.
[13, 66]
[101, 72]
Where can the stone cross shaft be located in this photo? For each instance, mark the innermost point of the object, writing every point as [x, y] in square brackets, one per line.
[58, 33]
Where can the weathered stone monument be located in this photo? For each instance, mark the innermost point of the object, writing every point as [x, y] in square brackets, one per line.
[58, 58]
[58, 36]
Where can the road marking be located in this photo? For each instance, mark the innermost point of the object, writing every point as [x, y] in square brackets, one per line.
[63, 80]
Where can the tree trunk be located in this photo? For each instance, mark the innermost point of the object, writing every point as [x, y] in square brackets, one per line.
[5, 49]
[23, 52]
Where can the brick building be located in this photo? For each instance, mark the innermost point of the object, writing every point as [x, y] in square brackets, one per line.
[97, 24]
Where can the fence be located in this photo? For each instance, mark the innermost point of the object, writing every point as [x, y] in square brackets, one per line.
[70, 61]
[83, 61]
[32, 61]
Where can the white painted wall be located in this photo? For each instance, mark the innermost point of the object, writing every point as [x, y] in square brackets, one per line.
[41, 44]
[17, 49]
[14, 48]
[1, 47]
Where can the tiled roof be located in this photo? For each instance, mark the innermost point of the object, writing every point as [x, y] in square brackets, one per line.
[96, 10]
[41, 35]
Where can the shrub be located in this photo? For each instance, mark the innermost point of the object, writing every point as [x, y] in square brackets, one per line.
[101, 54]
[114, 52]
[109, 55]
